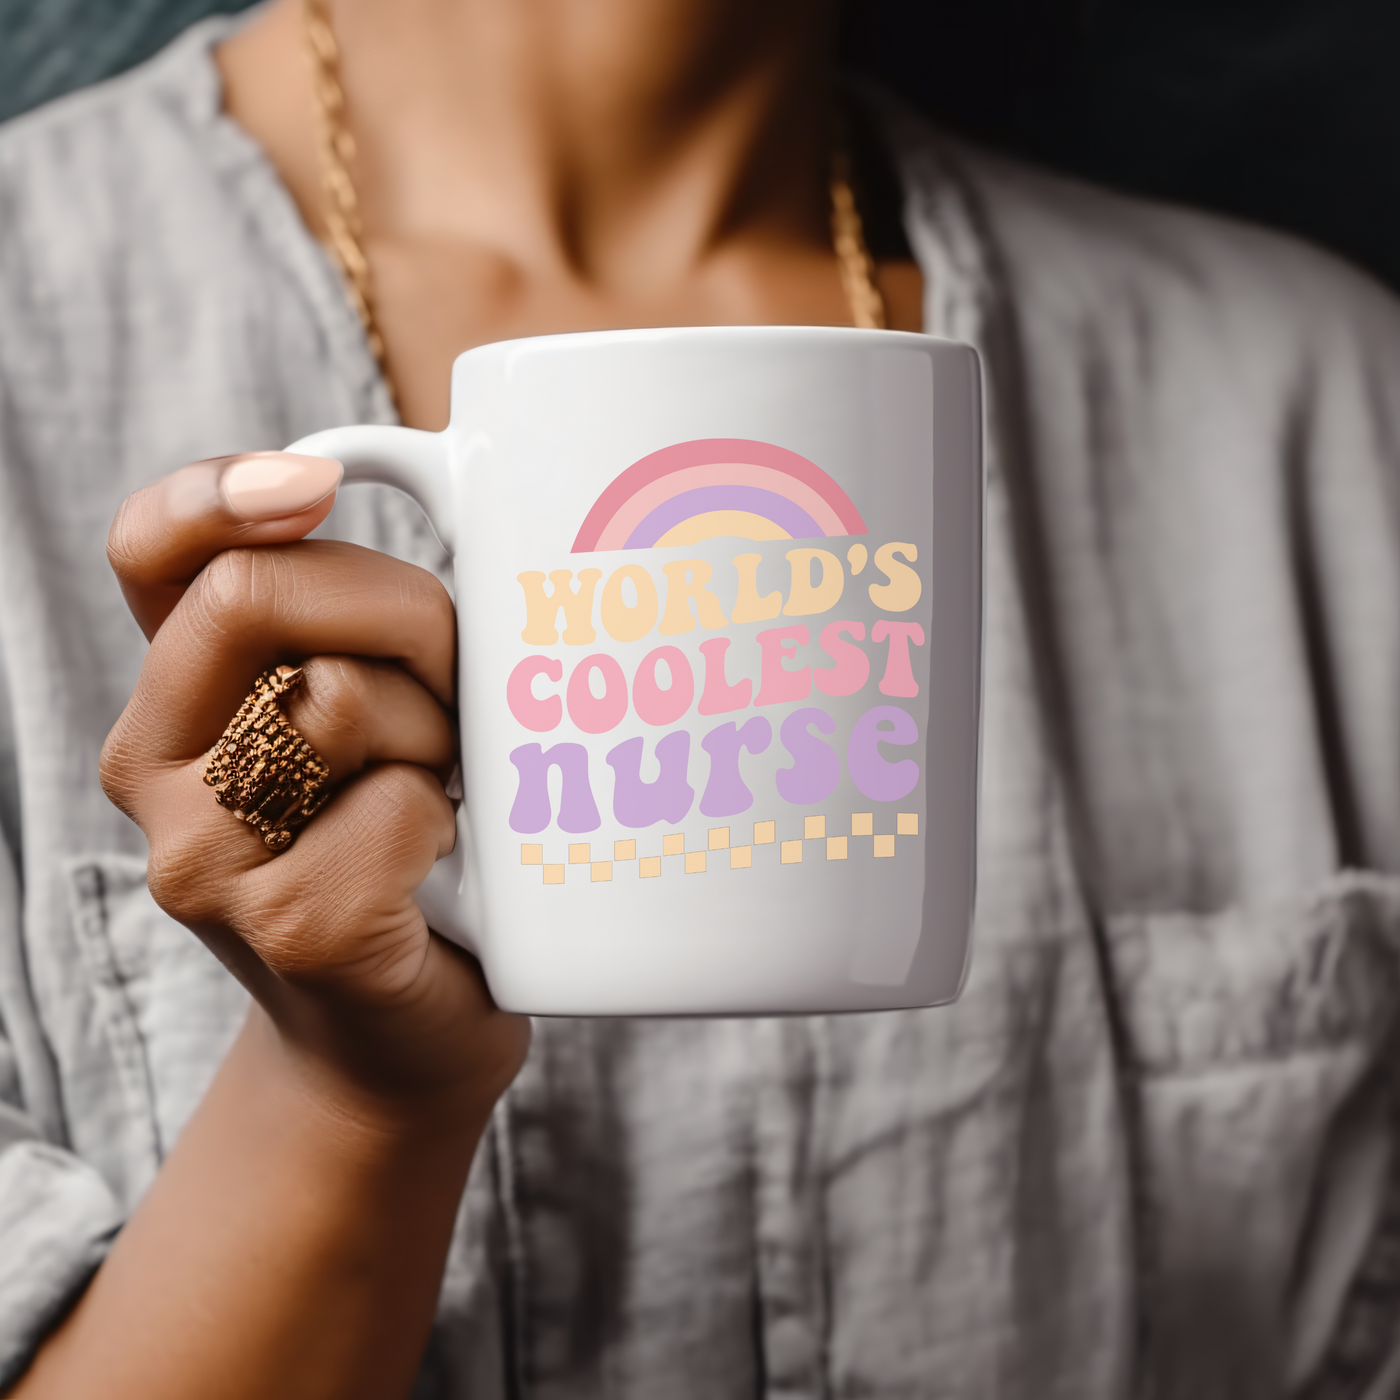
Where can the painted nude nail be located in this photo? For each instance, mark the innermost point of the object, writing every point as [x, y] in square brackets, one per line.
[270, 485]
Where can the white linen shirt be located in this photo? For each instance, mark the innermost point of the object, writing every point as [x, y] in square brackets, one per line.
[1151, 1151]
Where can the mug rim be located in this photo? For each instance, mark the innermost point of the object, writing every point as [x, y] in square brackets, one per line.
[632, 335]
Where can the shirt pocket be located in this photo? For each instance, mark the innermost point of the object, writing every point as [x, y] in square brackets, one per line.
[164, 1012]
[1260, 1047]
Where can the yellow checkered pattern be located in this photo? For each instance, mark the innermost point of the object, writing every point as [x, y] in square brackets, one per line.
[827, 839]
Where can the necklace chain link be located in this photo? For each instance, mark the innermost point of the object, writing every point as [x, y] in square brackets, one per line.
[344, 231]
[848, 238]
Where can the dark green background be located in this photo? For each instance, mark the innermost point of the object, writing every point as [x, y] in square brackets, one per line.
[48, 47]
[1285, 111]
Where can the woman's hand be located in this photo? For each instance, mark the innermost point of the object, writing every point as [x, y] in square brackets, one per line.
[294, 1240]
[326, 935]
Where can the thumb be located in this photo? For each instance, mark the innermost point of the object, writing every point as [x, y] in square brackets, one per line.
[164, 535]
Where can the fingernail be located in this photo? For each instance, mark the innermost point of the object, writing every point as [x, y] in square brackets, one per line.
[270, 485]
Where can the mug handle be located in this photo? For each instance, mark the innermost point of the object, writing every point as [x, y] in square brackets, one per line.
[418, 464]
[409, 459]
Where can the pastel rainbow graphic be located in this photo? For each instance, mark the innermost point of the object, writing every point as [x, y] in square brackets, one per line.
[714, 488]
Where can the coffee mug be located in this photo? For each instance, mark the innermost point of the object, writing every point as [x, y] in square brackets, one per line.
[719, 600]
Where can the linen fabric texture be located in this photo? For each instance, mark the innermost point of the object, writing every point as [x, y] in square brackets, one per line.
[1152, 1151]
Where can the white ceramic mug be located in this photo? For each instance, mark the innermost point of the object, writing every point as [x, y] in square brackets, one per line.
[719, 607]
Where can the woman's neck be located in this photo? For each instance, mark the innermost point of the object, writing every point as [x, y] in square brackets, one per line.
[567, 162]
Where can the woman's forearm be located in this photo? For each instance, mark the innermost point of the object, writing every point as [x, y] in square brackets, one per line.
[292, 1245]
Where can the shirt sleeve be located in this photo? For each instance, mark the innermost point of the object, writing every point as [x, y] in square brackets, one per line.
[57, 1215]
[57, 1219]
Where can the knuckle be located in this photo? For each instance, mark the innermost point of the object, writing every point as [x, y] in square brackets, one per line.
[334, 696]
[145, 533]
[115, 769]
[424, 599]
[226, 589]
[396, 818]
[121, 768]
[240, 590]
[179, 879]
[432, 597]
[411, 804]
[445, 619]
[123, 545]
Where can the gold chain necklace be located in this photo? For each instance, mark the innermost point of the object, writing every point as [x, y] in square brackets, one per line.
[341, 203]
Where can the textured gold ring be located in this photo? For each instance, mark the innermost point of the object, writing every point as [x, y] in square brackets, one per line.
[262, 770]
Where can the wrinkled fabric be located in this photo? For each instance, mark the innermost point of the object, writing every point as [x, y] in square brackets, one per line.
[1150, 1152]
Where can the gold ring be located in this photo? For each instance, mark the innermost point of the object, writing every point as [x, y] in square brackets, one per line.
[262, 770]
